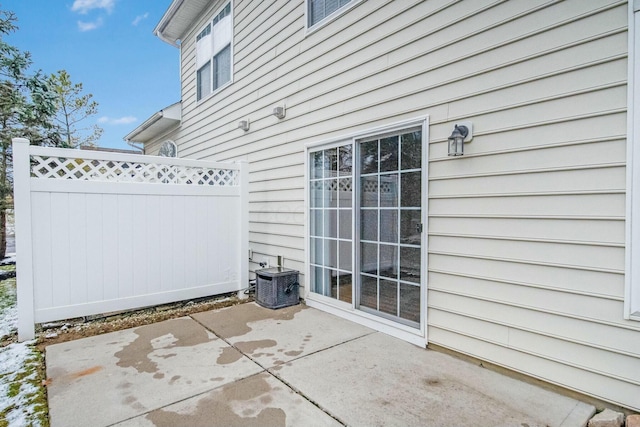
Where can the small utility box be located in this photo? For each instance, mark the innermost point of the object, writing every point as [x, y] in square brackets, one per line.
[277, 287]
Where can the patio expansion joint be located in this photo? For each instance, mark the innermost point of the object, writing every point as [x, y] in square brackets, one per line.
[305, 397]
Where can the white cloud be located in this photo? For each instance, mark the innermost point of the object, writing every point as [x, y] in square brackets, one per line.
[140, 18]
[88, 26]
[84, 6]
[125, 120]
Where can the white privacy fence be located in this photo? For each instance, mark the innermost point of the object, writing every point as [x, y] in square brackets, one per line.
[98, 232]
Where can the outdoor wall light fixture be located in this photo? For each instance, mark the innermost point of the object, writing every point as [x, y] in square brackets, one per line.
[462, 132]
[280, 112]
[244, 125]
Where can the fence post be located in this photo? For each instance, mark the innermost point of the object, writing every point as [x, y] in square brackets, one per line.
[244, 227]
[24, 252]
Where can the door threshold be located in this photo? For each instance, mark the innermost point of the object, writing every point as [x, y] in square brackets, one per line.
[402, 332]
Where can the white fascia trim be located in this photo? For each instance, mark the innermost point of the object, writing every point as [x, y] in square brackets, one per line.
[164, 21]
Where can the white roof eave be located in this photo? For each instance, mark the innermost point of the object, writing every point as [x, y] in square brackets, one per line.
[156, 125]
[178, 18]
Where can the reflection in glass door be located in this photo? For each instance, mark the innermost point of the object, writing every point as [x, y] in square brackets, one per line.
[390, 225]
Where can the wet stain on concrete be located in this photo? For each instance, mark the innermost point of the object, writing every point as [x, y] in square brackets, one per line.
[210, 413]
[228, 326]
[158, 375]
[228, 356]
[174, 379]
[293, 353]
[86, 372]
[132, 401]
[431, 381]
[249, 347]
[217, 411]
[136, 354]
[167, 356]
[124, 385]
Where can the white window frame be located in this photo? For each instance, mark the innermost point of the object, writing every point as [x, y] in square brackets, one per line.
[213, 54]
[632, 223]
[348, 311]
[327, 19]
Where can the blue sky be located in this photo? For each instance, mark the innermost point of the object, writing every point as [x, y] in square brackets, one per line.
[109, 47]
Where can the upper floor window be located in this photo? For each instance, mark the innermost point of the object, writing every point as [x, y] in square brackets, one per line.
[213, 53]
[320, 9]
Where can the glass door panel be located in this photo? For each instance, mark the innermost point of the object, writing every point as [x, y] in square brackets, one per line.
[330, 222]
[390, 226]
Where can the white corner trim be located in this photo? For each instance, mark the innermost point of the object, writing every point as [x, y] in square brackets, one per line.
[632, 223]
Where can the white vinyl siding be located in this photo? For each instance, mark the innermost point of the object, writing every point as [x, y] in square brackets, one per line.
[526, 231]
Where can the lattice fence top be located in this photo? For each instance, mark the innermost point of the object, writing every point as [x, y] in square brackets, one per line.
[128, 171]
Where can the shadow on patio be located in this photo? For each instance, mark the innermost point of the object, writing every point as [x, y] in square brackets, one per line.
[250, 366]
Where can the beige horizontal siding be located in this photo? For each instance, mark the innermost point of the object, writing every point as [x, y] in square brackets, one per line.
[526, 231]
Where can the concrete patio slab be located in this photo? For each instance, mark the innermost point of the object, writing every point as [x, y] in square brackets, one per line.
[311, 368]
[273, 338]
[380, 380]
[259, 400]
[116, 376]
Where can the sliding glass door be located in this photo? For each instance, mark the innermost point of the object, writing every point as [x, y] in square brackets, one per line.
[365, 224]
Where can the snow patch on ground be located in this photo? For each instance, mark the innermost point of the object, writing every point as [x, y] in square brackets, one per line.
[17, 375]
[18, 368]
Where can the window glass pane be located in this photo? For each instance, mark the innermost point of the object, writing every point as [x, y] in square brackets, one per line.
[409, 222]
[345, 160]
[369, 258]
[411, 188]
[334, 284]
[222, 67]
[410, 264]
[345, 282]
[369, 292]
[345, 188]
[389, 190]
[389, 154]
[344, 263]
[411, 150]
[369, 157]
[317, 194]
[204, 80]
[316, 165]
[369, 191]
[389, 226]
[320, 9]
[369, 224]
[389, 296]
[316, 222]
[331, 223]
[344, 216]
[205, 32]
[331, 255]
[316, 251]
[410, 302]
[320, 280]
[389, 261]
[331, 193]
[331, 163]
